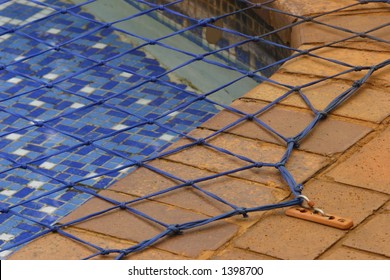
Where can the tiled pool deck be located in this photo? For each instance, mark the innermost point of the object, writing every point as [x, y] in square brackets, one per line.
[343, 164]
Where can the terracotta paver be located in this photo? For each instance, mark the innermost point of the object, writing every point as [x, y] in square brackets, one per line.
[325, 64]
[331, 135]
[306, 240]
[239, 254]
[283, 237]
[307, 7]
[57, 247]
[330, 31]
[369, 103]
[346, 253]
[373, 236]
[124, 225]
[368, 168]
[301, 164]
[154, 254]
[238, 192]
[344, 200]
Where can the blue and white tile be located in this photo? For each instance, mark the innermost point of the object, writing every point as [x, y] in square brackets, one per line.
[51, 89]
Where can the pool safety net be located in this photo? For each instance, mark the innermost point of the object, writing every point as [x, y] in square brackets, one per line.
[76, 75]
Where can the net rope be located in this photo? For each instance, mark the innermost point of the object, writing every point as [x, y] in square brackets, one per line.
[84, 184]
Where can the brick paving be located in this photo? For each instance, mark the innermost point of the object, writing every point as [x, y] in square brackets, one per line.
[370, 105]
[330, 137]
[368, 167]
[345, 173]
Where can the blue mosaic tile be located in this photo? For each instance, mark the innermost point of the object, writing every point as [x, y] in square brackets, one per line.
[29, 228]
[55, 97]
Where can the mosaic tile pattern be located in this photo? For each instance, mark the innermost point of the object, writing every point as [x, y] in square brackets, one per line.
[50, 108]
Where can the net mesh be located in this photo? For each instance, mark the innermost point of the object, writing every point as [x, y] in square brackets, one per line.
[44, 106]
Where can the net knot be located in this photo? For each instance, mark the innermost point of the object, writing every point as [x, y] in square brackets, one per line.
[38, 123]
[150, 121]
[357, 84]
[362, 35]
[200, 141]
[70, 185]
[199, 57]
[322, 115]
[107, 25]
[64, 11]
[205, 21]
[152, 42]
[101, 63]
[2, 67]
[20, 165]
[358, 68]
[256, 38]
[298, 187]
[153, 79]
[242, 211]
[307, 19]
[278, 165]
[139, 164]
[54, 229]
[87, 143]
[57, 48]
[250, 74]
[104, 252]
[23, 166]
[174, 229]
[4, 210]
[189, 183]
[296, 88]
[49, 85]
[100, 102]
[305, 52]
[293, 141]
[258, 164]
[250, 117]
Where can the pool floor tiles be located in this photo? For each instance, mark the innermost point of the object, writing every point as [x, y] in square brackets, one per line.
[78, 110]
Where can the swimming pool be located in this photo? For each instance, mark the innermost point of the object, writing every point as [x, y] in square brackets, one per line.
[82, 103]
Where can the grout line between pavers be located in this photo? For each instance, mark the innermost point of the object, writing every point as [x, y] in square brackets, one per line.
[339, 242]
[334, 115]
[325, 178]
[260, 141]
[212, 171]
[356, 147]
[154, 201]
[231, 176]
[250, 251]
[125, 242]
[365, 251]
[378, 84]
[328, 179]
[294, 108]
[98, 234]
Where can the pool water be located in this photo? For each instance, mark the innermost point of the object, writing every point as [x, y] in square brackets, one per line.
[82, 103]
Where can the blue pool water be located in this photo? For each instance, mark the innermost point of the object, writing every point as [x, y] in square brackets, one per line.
[73, 110]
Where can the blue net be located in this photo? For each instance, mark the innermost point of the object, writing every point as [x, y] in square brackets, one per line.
[83, 103]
